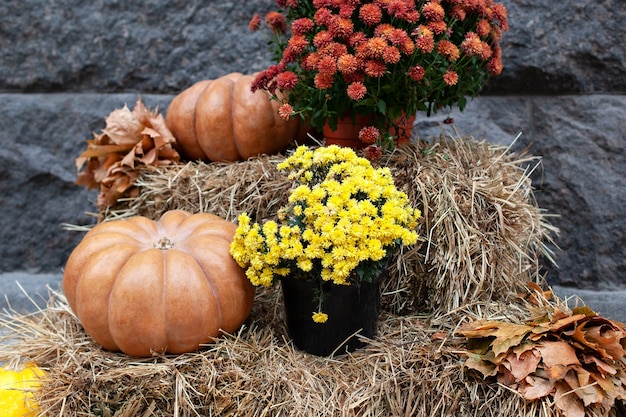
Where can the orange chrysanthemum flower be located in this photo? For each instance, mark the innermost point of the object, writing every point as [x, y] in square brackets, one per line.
[374, 68]
[472, 45]
[450, 77]
[327, 66]
[255, 23]
[438, 26]
[298, 43]
[323, 81]
[276, 21]
[302, 26]
[286, 80]
[448, 50]
[369, 134]
[433, 11]
[483, 28]
[391, 55]
[495, 63]
[370, 14]
[486, 52]
[408, 47]
[334, 49]
[501, 14]
[356, 90]
[323, 16]
[340, 27]
[322, 38]
[310, 61]
[397, 36]
[458, 12]
[356, 39]
[285, 111]
[384, 30]
[347, 64]
[426, 44]
[375, 47]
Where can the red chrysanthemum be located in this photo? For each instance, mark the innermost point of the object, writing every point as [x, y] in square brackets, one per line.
[354, 77]
[276, 21]
[356, 90]
[448, 50]
[255, 23]
[373, 152]
[285, 111]
[302, 26]
[369, 134]
[286, 80]
[370, 14]
[450, 77]
[374, 68]
[416, 72]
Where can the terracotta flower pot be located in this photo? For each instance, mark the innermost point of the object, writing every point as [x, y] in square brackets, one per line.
[347, 133]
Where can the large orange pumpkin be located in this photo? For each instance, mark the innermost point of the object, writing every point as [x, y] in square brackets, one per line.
[143, 286]
[223, 120]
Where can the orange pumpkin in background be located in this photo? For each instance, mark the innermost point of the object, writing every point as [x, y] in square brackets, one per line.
[223, 120]
[144, 286]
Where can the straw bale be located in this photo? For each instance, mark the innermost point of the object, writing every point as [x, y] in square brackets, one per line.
[482, 233]
[412, 368]
[481, 238]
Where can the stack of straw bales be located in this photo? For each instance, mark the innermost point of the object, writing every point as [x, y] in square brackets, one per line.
[482, 239]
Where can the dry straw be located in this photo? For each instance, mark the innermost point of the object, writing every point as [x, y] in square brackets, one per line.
[483, 238]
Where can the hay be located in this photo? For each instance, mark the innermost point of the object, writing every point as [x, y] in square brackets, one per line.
[482, 237]
[411, 369]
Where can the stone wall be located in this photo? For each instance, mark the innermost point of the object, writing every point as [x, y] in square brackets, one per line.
[65, 65]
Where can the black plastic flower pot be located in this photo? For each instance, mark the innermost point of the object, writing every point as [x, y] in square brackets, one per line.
[352, 312]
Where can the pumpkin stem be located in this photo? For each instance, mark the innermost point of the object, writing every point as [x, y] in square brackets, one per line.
[164, 244]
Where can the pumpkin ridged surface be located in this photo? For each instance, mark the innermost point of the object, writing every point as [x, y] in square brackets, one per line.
[134, 297]
[223, 120]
